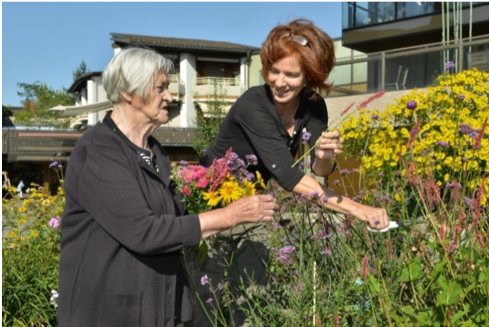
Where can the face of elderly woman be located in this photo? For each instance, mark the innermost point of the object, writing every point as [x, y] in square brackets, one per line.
[286, 79]
[156, 107]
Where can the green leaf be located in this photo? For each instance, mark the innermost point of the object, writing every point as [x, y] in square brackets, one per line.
[424, 318]
[449, 295]
[457, 316]
[412, 270]
[373, 284]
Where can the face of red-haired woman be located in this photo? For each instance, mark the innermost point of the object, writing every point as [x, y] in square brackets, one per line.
[286, 80]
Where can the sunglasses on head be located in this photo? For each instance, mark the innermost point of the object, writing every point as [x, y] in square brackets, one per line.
[297, 39]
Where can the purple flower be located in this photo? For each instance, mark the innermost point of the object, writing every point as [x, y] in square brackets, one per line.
[53, 164]
[54, 222]
[209, 300]
[375, 117]
[411, 105]
[443, 144]
[326, 252]
[183, 162]
[253, 160]
[344, 172]
[336, 182]
[355, 171]
[384, 199]
[305, 137]
[324, 199]
[285, 254]
[454, 184]
[204, 280]
[219, 286]
[468, 200]
[461, 96]
[465, 129]
[449, 65]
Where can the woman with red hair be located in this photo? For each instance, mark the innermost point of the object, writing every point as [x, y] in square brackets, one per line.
[269, 122]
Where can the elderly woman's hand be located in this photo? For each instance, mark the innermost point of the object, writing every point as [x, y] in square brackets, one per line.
[376, 218]
[329, 145]
[253, 209]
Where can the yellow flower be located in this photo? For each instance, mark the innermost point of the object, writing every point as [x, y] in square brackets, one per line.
[35, 233]
[212, 198]
[22, 209]
[260, 180]
[249, 188]
[230, 191]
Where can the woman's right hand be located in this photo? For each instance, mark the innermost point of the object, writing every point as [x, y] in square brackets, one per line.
[253, 209]
[376, 218]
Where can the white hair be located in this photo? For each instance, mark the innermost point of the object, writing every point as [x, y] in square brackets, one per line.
[133, 71]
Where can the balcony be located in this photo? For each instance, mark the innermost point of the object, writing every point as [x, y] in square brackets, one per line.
[229, 88]
[382, 26]
[406, 68]
[177, 89]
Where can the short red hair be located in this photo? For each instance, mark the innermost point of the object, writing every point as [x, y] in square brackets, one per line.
[316, 58]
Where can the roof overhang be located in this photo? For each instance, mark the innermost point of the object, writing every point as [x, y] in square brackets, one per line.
[71, 111]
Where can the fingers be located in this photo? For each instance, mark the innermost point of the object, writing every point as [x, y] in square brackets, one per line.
[377, 218]
[331, 141]
[256, 208]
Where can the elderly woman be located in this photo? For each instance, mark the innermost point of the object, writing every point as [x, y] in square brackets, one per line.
[269, 120]
[123, 225]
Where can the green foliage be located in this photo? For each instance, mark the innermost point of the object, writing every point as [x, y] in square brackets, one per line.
[38, 98]
[30, 257]
[81, 70]
[327, 269]
[209, 123]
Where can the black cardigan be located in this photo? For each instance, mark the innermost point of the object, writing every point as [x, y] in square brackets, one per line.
[122, 230]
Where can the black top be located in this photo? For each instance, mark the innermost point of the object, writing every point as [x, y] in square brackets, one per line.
[254, 126]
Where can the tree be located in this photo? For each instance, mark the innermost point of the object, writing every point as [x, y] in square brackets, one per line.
[6, 112]
[81, 70]
[38, 98]
[209, 124]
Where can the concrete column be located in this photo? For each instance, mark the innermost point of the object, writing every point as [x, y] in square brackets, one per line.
[243, 68]
[92, 117]
[188, 74]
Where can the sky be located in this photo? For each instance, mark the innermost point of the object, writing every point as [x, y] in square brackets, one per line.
[47, 41]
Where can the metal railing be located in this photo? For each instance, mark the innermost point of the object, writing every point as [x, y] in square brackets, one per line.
[224, 81]
[414, 67]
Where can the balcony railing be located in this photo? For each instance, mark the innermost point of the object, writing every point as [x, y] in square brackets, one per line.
[177, 89]
[224, 81]
[204, 87]
[361, 14]
[406, 68]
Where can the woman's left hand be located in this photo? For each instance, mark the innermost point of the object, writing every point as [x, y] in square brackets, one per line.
[330, 144]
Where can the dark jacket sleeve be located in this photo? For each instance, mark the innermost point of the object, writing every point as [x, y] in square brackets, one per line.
[262, 127]
[110, 190]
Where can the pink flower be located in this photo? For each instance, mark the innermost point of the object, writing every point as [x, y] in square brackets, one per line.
[186, 190]
[54, 222]
[202, 182]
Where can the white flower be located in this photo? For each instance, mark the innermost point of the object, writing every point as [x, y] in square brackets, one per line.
[54, 298]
